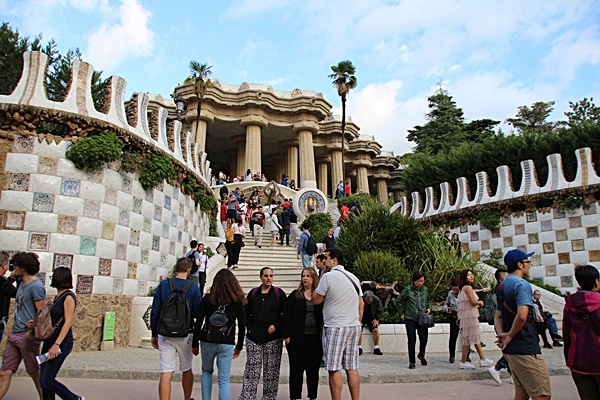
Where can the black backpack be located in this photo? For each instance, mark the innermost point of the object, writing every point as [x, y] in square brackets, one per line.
[311, 245]
[192, 258]
[216, 328]
[174, 318]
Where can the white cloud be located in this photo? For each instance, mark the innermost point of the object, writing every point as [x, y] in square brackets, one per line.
[114, 42]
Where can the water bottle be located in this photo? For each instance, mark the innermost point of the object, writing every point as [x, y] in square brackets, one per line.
[42, 358]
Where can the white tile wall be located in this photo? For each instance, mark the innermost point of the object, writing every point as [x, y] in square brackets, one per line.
[44, 183]
[106, 248]
[16, 201]
[40, 222]
[92, 191]
[68, 205]
[85, 265]
[23, 163]
[103, 284]
[91, 227]
[62, 243]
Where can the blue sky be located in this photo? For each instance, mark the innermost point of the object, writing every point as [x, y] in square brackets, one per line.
[492, 56]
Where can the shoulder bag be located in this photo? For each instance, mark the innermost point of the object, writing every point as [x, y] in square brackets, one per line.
[425, 320]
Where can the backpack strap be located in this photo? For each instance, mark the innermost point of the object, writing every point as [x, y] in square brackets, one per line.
[188, 283]
[508, 308]
[255, 290]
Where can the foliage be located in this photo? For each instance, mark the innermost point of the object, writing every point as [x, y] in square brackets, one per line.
[534, 120]
[490, 218]
[343, 78]
[571, 203]
[319, 224]
[91, 152]
[12, 47]
[199, 74]
[190, 185]
[209, 252]
[363, 198]
[99, 87]
[381, 267]
[155, 170]
[131, 161]
[583, 112]
[53, 128]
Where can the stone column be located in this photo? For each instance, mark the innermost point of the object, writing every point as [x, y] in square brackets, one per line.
[323, 178]
[240, 169]
[307, 159]
[292, 164]
[382, 192]
[201, 134]
[233, 156]
[336, 169]
[362, 181]
[253, 155]
[280, 169]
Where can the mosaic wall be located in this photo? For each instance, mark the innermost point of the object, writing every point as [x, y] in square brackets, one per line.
[559, 241]
[116, 237]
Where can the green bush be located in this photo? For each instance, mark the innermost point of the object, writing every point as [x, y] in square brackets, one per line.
[155, 170]
[319, 225]
[490, 218]
[92, 152]
[381, 267]
[131, 161]
[53, 128]
[364, 199]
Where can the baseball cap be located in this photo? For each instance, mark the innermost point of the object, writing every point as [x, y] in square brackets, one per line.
[513, 257]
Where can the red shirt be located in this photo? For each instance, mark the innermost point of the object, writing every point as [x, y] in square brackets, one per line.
[223, 212]
[347, 189]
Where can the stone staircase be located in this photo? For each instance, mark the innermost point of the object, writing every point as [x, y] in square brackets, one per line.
[282, 259]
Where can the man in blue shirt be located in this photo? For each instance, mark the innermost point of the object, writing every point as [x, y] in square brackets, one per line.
[171, 347]
[517, 335]
[306, 258]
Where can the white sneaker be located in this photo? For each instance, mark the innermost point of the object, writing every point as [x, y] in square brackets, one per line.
[466, 365]
[486, 363]
[495, 375]
[511, 380]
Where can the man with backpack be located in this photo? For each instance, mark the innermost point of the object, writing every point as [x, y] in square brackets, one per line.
[199, 262]
[307, 246]
[176, 302]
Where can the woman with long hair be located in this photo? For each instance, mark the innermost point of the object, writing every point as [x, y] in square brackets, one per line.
[239, 235]
[60, 344]
[273, 226]
[406, 303]
[225, 294]
[468, 313]
[302, 324]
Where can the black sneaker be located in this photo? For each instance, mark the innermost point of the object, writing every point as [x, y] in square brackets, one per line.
[547, 346]
[557, 337]
[556, 343]
[411, 366]
[423, 360]
[451, 360]
[360, 351]
[377, 351]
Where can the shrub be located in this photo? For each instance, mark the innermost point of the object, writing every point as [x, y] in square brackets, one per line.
[381, 267]
[319, 224]
[131, 161]
[52, 128]
[91, 152]
[490, 218]
[155, 170]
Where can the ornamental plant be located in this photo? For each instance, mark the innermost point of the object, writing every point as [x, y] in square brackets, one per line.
[155, 170]
[92, 152]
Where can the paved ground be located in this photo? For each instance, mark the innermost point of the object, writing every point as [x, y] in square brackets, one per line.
[132, 373]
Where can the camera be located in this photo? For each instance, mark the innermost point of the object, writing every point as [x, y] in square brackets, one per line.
[11, 266]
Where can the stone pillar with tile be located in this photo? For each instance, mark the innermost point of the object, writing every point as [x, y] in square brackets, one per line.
[253, 126]
[305, 131]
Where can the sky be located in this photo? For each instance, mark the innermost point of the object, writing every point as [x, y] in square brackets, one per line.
[492, 56]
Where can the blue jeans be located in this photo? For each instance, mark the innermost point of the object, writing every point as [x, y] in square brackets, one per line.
[224, 356]
[48, 371]
[306, 260]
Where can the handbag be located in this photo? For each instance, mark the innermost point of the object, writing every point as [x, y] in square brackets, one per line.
[425, 320]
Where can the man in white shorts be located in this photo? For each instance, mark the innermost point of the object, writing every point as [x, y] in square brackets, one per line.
[169, 348]
[340, 292]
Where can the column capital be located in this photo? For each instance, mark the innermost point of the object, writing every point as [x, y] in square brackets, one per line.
[258, 120]
[289, 143]
[311, 126]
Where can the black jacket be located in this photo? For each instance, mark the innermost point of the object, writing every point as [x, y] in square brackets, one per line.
[294, 315]
[7, 291]
[263, 310]
[234, 312]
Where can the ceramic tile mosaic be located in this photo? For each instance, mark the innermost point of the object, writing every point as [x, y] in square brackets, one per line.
[145, 256]
[110, 197]
[124, 217]
[551, 270]
[536, 259]
[558, 214]
[118, 285]
[147, 224]
[121, 253]
[591, 209]
[463, 228]
[85, 284]
[70, 187]
[132, 270]
[150, 196]
[24, 144]
[566, 281]
[41, 276]
[141, 291]
[176, 193]
[564, 258]
[48, 165]
[126, 185]
[546, 226]
[96, 176]
[134, 238]
[172, 248]
[18, 182]
[506, 220]
[533, 238]
[574, 222]
[163, 260]
[174, 220]
[531, 217]
[474, 236]
[519, 229]
[186, 226]
[39, 241]
[592, 231]
[157, 213]
[561, 235]
[577, 245]
[155, 243]
[43, 202]
[548, 248]
[179, 236]
[2, 218]
[91, 208]
[507, 241]
[104, 266]
[496, 233]
[67, 224]
[137, 205]
[181, 210]
[594, 255]
[87, 246]
[62, 260]
[14, 220]
[167, 202]
[165, 231]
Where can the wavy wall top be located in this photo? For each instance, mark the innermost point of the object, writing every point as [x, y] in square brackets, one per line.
[448, 202]
[30, 91]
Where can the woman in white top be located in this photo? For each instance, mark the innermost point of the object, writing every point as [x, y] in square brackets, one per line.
[239, 235]
[273, 226]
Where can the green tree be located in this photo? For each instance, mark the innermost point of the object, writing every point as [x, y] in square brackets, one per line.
[12, 47]
[344, 80]
[199, 74]
[60, 73]
[534, 119]
[582, 112]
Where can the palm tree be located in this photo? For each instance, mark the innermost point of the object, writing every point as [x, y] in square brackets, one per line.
[199, 78]
[344, 80]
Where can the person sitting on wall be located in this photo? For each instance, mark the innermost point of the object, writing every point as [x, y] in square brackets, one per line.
[373, 312]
